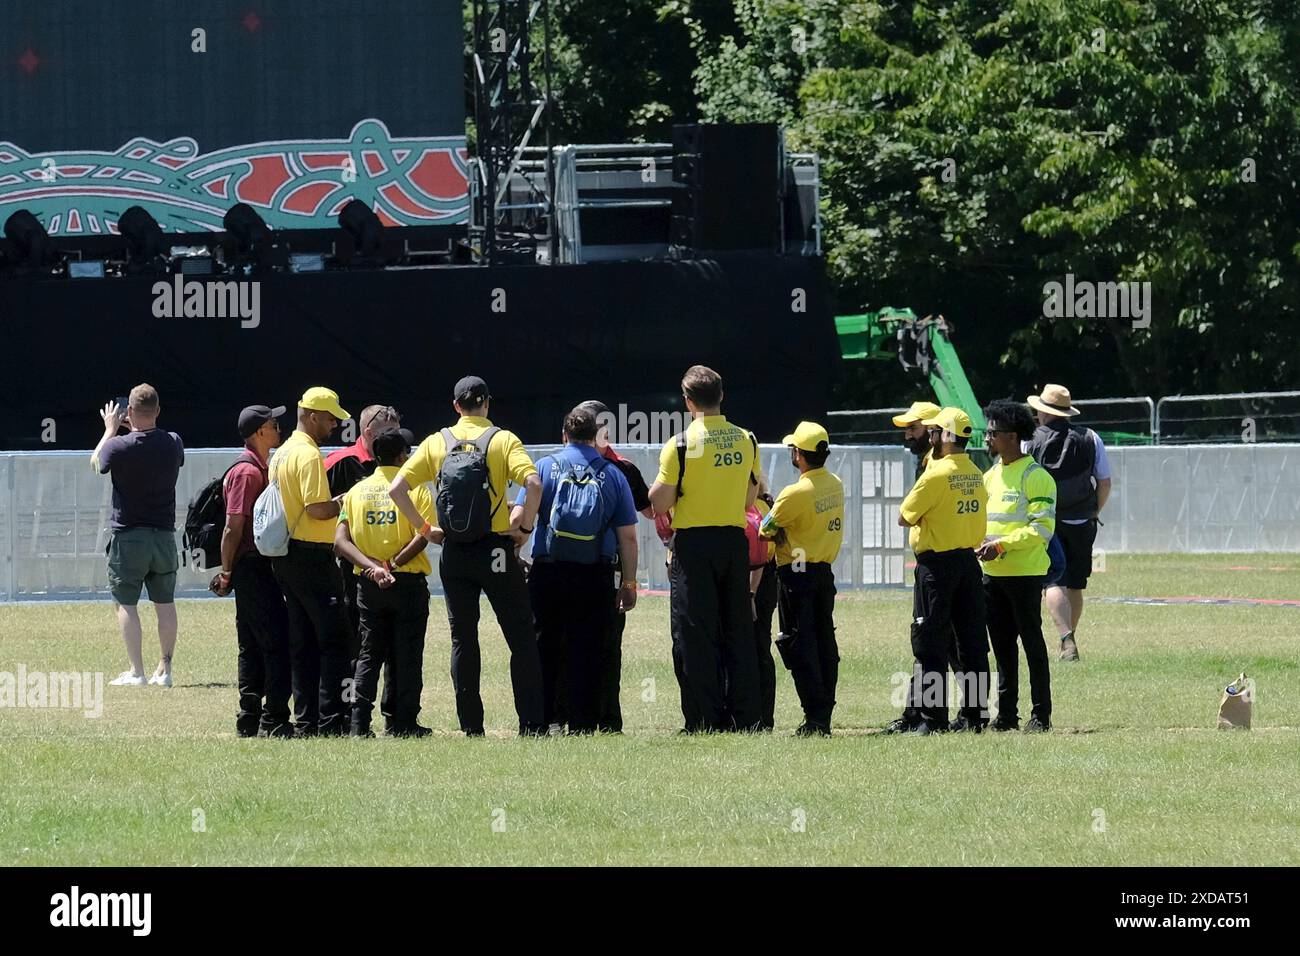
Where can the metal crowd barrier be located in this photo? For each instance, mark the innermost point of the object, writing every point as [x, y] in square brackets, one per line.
[54, 518]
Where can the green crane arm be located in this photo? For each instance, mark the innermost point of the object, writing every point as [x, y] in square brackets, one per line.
[920, 344]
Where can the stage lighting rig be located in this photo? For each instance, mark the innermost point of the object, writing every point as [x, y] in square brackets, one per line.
[34, 249]
[254, 246]
[360, 222]
[146, 246]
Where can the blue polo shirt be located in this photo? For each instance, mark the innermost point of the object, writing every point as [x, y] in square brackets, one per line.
[617, 492]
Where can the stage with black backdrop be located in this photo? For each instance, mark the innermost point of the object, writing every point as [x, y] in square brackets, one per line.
[544, 337]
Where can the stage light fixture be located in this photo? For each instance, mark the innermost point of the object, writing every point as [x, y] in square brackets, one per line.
[253, 238]
[32, 243]
[145, 242]
[360, 222]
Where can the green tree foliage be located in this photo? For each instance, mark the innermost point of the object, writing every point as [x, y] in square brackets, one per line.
[976, 149]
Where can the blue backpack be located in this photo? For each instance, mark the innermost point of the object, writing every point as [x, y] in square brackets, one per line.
[577, 521]
[1056, 559]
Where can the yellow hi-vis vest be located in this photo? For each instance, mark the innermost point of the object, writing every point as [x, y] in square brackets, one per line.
[1021, 517]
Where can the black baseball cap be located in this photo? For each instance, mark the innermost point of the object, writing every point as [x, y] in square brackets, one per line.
[255, 416]
[471, 390]
[391, 442]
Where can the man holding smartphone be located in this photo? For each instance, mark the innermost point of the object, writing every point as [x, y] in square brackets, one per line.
[144, 465]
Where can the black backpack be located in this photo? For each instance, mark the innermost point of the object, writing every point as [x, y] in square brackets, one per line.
[205, 519]
[463, 490]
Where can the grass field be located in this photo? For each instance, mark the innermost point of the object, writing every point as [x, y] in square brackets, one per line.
[1135, 772]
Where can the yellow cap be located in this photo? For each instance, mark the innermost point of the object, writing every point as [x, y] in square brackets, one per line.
[918, 412]
[807, 437]
[951, 420]
[320, 399]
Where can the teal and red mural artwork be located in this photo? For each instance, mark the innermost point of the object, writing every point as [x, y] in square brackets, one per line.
[301, 184]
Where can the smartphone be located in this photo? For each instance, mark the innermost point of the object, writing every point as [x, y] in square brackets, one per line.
[122, 403]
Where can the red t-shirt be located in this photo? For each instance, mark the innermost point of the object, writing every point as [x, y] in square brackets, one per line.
[356, 450]
[244, 482]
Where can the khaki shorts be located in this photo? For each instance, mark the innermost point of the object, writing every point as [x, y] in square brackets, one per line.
[142, 557]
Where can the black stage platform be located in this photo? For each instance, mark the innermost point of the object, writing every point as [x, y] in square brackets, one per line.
[622, 332]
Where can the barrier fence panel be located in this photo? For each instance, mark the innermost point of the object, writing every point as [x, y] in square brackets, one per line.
[54, 518]
[1203, 498]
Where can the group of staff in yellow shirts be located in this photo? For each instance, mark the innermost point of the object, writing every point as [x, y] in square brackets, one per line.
[980, 541]
[451, 491]
[981, 545]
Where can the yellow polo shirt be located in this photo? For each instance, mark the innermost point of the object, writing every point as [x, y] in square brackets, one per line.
[720, 461]
[300, 469]
[506, 458]
[377, 527]
[946, 506]
[811, 512]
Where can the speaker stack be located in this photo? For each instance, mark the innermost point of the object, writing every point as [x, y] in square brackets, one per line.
[730, 188]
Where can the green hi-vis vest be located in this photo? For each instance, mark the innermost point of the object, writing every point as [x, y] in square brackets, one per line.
[1021, 517]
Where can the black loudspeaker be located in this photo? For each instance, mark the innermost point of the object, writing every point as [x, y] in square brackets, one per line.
[800, 210]
[730, 182]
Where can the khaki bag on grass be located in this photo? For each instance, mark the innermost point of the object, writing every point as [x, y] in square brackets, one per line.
[1234, 709]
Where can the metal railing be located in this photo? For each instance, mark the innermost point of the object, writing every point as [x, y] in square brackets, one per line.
[1245, 419]
[1154, 416]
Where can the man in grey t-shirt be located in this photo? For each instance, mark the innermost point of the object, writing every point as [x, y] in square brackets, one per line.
[144, 465]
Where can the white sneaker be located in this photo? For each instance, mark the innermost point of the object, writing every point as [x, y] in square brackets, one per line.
[128, 679]
[162, 680]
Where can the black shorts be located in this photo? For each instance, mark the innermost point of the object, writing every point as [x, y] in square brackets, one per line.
[1077, 541]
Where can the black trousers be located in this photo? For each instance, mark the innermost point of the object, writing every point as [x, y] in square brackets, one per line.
[713, 629]
[610, 719]
[490, 567]
[765, 601]
[571, 615]
[262, 629]
[393, 622]
[350, 588]
[1015, 610]
[807, 642]
[949, 598]
[318, 636]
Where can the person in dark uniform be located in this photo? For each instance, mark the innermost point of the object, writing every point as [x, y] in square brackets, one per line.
[482, 565]
[708, 476]
[344, 467]
[319, 632]
[945, 511]
[387, 554]
[610, 719]
[923, 442]
[807, 523]
[575, 557]
[261, 618]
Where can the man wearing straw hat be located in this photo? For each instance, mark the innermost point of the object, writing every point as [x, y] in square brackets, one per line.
[1076, 458]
